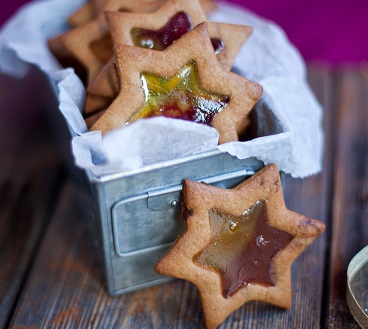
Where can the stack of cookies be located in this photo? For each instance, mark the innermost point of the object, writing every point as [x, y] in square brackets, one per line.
[148, 58]
[158, 58]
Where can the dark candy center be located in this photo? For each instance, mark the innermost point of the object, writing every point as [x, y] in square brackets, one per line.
[242, 248]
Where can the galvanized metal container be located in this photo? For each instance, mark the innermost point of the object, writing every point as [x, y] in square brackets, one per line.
[136, 215]
[139, 212]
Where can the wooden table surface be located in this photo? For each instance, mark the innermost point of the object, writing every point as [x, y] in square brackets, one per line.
[51, 277]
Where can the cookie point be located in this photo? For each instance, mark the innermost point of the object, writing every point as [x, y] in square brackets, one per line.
[189, 183]
[316, 226]
[272, 167]
[202, 27]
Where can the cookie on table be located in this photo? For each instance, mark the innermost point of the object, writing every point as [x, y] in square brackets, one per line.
[239, 244]
[185, 81]
[160, 30]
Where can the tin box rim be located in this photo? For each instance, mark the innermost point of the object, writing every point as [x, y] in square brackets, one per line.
[150, 167]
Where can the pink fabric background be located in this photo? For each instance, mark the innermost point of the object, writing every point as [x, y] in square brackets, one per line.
[331, 31]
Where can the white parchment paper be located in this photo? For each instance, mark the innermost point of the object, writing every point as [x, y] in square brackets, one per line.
[289, 117]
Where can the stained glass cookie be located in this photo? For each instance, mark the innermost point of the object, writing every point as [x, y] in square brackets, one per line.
[183, 81]
[239, 244]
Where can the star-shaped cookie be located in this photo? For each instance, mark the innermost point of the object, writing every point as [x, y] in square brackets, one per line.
[160, 29]
[193, 47]
[124, 27]
[239, 244]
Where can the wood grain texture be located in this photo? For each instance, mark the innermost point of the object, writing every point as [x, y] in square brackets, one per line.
[322, 83]
[29, 174]
[349, 228]
[66, 287]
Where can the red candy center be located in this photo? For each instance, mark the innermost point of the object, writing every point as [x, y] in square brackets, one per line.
[176, 27]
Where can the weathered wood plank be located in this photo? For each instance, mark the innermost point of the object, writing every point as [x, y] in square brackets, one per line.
[349, 220]
[29, 172]
[66, 288]
[322, 83]
[20, 231]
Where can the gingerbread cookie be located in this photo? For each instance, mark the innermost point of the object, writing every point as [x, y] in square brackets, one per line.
[161, 29]
[184, 81]
[239, 244]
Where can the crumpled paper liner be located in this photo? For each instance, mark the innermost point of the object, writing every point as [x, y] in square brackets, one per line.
[289, 117]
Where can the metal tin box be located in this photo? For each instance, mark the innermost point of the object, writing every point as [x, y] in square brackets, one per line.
[139, 212]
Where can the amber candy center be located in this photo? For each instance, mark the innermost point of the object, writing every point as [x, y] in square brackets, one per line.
[180, 96]
[242, 248]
